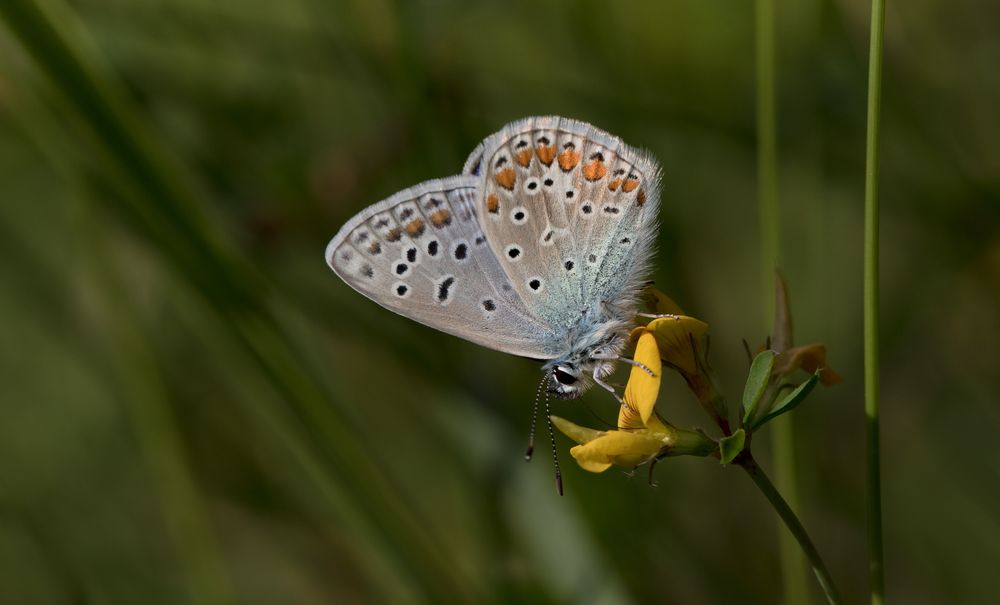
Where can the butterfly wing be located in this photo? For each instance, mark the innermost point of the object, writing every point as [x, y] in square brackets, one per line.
[422, 254]
[570, 211]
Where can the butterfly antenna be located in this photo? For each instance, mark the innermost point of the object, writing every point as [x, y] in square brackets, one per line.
[552, 439]
[534, 419]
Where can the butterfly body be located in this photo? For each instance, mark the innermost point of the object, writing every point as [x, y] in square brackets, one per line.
[539, 248]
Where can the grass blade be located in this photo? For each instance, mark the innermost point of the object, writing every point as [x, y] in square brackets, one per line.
[871, 303]
[792, 564]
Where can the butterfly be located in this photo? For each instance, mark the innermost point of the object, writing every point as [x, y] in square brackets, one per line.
[539, 248]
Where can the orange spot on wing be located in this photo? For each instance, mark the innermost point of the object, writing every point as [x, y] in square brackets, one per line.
[613, 185]
[630, 185]
[492, 204]
[394, 234]
[594, 170]
[415, 227]
[641, 197]
[568, 160]
[506, 178]
[523, 157]
[441, 218]
[546, 153]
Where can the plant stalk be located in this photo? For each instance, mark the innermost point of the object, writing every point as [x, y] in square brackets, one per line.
[783, 442]
[871, 303]
[791, 521]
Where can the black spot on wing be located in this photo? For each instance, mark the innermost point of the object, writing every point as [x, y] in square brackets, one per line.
[444, 288]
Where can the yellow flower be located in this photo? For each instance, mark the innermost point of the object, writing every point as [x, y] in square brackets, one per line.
[681, 340]
[660, 303]
[683, 344]
[641, 435]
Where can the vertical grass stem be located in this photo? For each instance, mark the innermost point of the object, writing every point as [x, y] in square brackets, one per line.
[792, 563]
[871, 303]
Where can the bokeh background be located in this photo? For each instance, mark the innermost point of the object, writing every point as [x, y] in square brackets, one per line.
[193, 408]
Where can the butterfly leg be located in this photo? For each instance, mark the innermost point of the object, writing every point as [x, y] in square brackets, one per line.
[631, 362]
[597, 379]
[652, 465]
[637, 364]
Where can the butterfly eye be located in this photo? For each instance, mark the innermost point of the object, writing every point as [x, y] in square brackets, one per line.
[563, 377]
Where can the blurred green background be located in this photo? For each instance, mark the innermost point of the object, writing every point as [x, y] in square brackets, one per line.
[194, 409]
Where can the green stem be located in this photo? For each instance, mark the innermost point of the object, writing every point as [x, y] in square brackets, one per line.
[793, 524]
[876, 572]
[783, 443]
[792, 564]
[767, 148]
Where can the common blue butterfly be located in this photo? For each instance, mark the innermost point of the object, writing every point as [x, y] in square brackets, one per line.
[539, 248]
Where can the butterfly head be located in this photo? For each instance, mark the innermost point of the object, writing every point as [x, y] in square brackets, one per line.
[572, 380]
[568, 382]
[591, 360]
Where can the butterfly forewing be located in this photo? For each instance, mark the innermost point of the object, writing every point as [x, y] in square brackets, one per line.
[423, 254]
[569, 210]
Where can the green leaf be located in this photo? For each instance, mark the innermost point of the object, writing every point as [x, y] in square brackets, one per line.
[731, 446]
[760, 373]
[789, 402]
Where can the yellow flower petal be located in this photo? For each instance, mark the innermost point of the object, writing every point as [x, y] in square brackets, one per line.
[623, 448]
[628, 416]
[589, 461]
[642, 388]
[580, 434]
[678, 338]
[655, 425]
[660, 303]
[629, 419]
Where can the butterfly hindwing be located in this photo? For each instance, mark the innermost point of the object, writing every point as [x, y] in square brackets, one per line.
[422, 254]
[569, 210]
